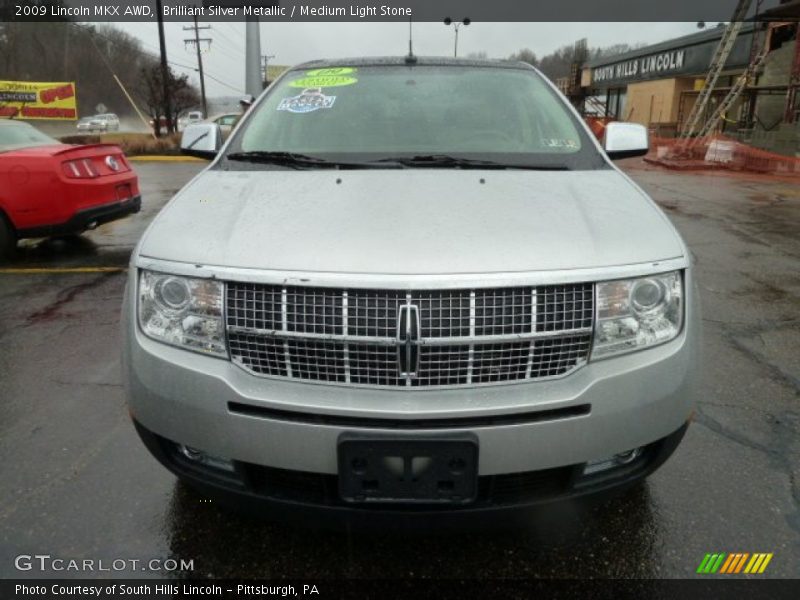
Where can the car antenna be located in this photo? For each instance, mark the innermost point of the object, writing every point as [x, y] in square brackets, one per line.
[410, 59]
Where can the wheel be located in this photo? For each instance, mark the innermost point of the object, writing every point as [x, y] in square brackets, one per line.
[8, 239]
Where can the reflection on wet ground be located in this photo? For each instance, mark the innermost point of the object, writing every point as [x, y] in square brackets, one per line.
[235, 545]
[68, 251]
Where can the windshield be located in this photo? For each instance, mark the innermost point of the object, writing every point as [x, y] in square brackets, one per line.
[503, 115]
[15, 135]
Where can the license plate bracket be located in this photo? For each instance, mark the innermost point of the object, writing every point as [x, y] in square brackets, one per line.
[441, 470]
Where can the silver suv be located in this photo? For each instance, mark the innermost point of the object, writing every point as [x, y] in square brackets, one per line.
[410, 287]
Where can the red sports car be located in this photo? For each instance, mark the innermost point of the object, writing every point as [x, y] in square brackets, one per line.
[49, 188]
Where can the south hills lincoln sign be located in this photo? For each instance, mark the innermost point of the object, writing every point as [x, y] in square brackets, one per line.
[688, 59]
[640, 68]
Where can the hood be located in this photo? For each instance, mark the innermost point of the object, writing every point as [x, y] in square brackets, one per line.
[411, 221]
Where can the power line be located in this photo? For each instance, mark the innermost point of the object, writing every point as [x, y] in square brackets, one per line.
[226, 52]
[207, 74]
[233, 44]
[237, 35]
[227, 85]
[238, 90]
[92, 31]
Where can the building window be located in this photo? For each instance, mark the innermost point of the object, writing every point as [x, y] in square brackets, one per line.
[615, 102]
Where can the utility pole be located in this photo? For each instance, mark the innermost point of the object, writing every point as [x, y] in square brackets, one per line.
[196, 41]
[164, 72]
[265, 64]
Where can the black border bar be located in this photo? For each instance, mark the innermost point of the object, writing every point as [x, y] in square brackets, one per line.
[378, 10]
[441, 589]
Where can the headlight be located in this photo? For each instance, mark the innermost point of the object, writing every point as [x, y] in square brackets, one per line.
[182, 311]
[637, 313]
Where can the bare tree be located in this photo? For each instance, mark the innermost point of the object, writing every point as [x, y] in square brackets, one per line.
[525, 55]
[615, 49]
[559, 63]
[181, 96]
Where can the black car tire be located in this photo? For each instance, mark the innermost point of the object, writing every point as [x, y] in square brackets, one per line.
[8, 239]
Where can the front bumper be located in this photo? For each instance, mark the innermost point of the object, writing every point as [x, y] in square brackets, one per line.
[604, 408]
[313, 498]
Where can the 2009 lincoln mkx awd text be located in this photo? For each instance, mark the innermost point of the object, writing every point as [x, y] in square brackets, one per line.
[410, 286]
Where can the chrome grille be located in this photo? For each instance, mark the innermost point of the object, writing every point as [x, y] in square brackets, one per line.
[391, 338]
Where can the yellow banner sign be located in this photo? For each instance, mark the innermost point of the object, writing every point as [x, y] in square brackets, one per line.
[37, 100]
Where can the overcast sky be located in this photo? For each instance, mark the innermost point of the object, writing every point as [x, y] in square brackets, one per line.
[292, 43]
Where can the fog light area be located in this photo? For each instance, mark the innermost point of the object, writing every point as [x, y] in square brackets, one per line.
[618, 460]
[208, 460]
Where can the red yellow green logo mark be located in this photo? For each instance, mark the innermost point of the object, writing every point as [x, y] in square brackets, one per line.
[736, 562]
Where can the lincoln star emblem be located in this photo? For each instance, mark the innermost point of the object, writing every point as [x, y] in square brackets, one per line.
[408, 340]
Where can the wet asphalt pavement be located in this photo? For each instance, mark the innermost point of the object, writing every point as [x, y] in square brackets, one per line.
[77, 482]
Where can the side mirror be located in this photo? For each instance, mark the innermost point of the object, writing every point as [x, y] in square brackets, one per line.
[202, 140]
[625, 140]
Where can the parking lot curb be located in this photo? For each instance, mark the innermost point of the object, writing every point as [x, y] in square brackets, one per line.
[158, 158]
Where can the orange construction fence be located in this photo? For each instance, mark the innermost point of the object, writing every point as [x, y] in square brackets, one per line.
[598, 125]
[711, 152]
[719, 152]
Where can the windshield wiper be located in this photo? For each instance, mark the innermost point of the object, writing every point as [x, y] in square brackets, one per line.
[300, 161]
[447, 161]
[277, 158]
[442, 160]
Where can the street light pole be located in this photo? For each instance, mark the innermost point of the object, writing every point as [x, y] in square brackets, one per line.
[448, 21]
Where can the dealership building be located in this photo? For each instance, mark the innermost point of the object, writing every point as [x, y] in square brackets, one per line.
[657, 85]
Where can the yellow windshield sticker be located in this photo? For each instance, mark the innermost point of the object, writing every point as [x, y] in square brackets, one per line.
[331, 72]
[322, 81]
